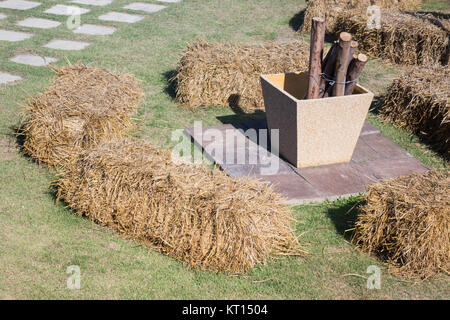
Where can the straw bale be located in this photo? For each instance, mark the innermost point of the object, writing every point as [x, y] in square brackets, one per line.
[410, 38]
[189, 212]
[406, 221]
[82, 107]
[419, 101]
[330, 10]
[228, 74]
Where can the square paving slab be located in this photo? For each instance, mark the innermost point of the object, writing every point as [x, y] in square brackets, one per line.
[243, 150]
[33, 60]
[2, 16]
[66, 45]
[146, 7]
[14, 36]
[96, 30]
[63, 10]
[7, 78]
[38, 23]
[19, 4]
[93, 2]
[121, 17]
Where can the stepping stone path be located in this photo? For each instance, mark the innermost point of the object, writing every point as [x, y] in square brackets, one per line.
[93, 2]
[38, 23]
[63, 10]
[33, 60]
[19, 4]
[66, 10]
[7, 77]
[147, 7]
[92, 29]
[14, 36]
[66, 45]
[121, 17]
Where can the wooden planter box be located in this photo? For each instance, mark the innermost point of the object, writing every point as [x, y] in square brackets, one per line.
[313, 132]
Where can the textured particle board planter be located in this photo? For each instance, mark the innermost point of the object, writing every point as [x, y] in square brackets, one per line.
[313, 132]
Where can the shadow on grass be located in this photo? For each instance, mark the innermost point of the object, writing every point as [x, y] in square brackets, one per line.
[171, 87]
[297, 20]
[376, 105]
[343, 214]
[240, 115]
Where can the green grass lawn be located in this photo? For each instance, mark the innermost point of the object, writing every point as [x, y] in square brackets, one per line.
[40, 239]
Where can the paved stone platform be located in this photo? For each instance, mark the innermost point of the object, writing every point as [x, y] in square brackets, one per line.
[375, 158]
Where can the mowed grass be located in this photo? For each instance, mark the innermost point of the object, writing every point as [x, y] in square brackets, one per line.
[40, 239]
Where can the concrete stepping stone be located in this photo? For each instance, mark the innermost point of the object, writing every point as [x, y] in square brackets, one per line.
[19, 4]
[33, 60]
[93, 2]
[95, 30]
[2, 16]
[146, 7]
[121, 17]
[7, 78]
[14, 36]
[66, 44]
[63, 10]
[38, 23]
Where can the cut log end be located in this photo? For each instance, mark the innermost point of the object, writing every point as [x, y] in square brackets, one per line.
[362, 57]
[345, 36]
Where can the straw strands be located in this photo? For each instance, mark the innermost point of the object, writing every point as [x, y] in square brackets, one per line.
[197, 215]
[407, 221]
[404, 37]
[331, 9]
[84, 106]
[224, 74]
[420, 102]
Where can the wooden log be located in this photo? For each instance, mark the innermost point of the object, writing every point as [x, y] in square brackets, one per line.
[354, 70]
[329, 89]
[353, 47]
[315, 59]
[342, 61]
[328, 67]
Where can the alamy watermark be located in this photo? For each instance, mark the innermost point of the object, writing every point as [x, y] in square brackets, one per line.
[230, 147]
[74, 280]
[374, 280]
[74, 20]
[373, 17]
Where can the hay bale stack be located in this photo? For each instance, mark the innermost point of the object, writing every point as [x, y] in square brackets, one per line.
[404, 37]
[407, 221]
[228, 74]
[332, 9]
[419, 101]
[201, 217]
[83, 106]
